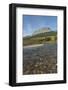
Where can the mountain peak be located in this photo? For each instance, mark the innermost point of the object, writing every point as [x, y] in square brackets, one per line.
[42, 30]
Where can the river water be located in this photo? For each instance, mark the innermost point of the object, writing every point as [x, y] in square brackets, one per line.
[40, 59]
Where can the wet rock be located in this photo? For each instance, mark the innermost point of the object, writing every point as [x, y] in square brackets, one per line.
[40, 60]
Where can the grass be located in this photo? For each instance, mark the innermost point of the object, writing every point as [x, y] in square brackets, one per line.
[40, 38]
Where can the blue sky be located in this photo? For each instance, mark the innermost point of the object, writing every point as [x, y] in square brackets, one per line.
[32, 23]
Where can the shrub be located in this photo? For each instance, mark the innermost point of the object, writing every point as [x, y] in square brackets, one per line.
[48, 39]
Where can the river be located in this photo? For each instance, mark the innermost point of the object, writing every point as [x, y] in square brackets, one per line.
[40, 59]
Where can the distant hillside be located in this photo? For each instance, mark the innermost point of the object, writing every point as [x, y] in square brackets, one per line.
[40, 38]
[52, 33]
[42, 30]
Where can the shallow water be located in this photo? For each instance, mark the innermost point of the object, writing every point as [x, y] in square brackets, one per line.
[40, 60]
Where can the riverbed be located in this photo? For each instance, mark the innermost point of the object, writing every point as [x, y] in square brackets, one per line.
[40, 59]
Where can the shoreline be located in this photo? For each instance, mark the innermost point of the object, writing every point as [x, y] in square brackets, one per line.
[30, 46]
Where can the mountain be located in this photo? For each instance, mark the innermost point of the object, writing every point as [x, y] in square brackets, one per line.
[40, 37]
[41, 30]
[51, 33]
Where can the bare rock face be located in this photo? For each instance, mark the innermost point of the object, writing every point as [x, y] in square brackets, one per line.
[41, 30]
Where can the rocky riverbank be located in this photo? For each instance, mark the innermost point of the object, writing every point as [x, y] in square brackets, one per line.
[40, 60]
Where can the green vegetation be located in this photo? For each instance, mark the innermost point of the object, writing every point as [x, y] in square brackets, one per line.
[40, 38]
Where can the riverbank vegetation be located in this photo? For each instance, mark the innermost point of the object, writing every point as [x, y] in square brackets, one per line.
[42, 38]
